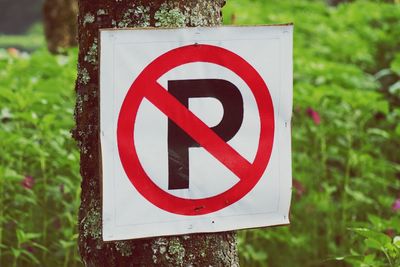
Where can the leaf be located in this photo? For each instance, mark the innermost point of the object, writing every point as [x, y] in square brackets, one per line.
[256, 254]
[30, 236]
[383, 73]
[16, 252]
[372, 243]
[370, 259]
[20, 236]
[391, 250]
[40, 246]
[376, 221]
[359, 196]
[394, 89]
[66, 244]
[396, 241]
[397, 131]
[5, 114]
[30, 256]
[380, 238]
[12, 175]
[395, 65]
[378, 132]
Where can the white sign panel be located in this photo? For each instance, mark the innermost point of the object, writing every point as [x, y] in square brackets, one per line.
[195, 129]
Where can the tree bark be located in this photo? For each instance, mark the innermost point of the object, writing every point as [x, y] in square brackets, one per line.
[336, 2]
[189, 250]
[60, 24]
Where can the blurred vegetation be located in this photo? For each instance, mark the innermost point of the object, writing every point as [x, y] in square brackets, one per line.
[33, 39]
[346, 135]
[39, 171]
[346, 140]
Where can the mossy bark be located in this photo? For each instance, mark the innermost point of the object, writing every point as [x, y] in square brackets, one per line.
[190, 250]
[60, 24]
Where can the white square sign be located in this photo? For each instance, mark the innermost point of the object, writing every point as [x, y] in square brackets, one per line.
[195, 129]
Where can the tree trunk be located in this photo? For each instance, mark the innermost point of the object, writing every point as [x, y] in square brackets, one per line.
[60, 24]
[190, 250]
[336, 2]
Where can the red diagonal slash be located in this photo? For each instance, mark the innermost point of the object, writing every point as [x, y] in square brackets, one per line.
[146, 86]
[198, 130]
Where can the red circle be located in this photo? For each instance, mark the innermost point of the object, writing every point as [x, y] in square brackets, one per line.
[126, 124]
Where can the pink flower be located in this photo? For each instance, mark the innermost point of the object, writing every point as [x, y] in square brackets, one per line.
[314, 115]
[57, 224]
[28, 182]
[13, 52]
[300, 190]
[390, 232]
[62, 188]
[28, 248]
[396, 205]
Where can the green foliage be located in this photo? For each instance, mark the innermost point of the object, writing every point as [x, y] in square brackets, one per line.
[39, 175]
[376, 241]
[345, 135]
[346, 138]
[33, 39]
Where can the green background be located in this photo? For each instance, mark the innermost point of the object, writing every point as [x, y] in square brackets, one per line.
[346, 141]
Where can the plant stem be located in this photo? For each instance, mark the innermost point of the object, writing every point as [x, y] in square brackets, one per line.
[346, 186]
[388, 257]
[1, 215]
[44, 228]
[15, 259]
[66, 258]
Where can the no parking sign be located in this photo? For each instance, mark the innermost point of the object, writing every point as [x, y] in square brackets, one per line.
[195, 129]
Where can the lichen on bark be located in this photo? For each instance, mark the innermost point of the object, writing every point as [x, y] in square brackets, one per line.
[189, 250]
